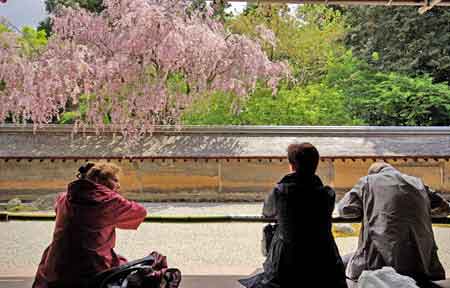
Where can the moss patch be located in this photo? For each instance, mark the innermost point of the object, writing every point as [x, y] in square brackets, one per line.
[441, 225]
[357, 228]
[21, 208]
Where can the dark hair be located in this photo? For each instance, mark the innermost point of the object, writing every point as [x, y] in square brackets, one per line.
[83, 170]
[304, 158]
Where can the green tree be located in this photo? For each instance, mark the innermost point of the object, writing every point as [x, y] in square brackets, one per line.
[402, 40]
[32, 40]
[389, 99]
[306, 40]
[3, 28]
[91, 5]
[75, 112]
[214, 109]
[51, 6]
[29, 40]
[219, 8]
[314, 104]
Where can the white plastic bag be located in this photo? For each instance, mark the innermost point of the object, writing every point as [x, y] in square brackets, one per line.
[385, 277]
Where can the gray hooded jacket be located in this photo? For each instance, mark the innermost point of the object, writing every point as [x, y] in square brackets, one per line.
[396, 224]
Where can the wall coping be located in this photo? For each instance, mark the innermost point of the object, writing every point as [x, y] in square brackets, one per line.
[224, 142]
[319, 131]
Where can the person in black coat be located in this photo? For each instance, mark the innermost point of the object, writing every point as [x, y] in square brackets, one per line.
[303, 250]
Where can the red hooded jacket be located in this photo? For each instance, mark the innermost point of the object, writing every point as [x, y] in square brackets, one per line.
[84, 236]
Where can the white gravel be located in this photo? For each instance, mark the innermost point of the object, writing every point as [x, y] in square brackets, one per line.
[197, 249]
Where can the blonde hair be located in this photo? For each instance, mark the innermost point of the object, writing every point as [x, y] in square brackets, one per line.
[101, 171]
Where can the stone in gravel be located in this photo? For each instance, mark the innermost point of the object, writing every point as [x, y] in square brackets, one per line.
[344, 228]
[45, 202]
[21, 208]
[14, 202]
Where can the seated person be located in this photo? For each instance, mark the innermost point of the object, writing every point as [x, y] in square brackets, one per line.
[84, 235]
[396, 224]
[303, 249]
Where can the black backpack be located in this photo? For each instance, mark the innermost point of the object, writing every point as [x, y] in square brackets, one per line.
[268, 232]
[128, 275]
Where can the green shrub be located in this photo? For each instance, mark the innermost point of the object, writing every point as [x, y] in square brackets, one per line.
[390, 99]
[315, 104]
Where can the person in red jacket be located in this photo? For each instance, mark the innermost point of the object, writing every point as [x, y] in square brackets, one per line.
[87, 216]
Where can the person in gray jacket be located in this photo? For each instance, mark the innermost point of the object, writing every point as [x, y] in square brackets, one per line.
[396, 224]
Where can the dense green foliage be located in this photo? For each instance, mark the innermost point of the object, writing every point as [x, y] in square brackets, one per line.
[91, 5]
[314, 104]
[75, 112]
[392, 77]
[403, 40]
[306, 39]
[397, 100]
[95, 6]
[30, 40]
[219, 8]
[390, 98]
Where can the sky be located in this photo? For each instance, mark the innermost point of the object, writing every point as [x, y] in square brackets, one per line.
[31, 12]
[23, 12]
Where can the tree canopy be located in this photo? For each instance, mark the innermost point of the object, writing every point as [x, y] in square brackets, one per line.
[305, 38]
[401, 39]
[389, 99]
[350, 66]
[123, 61]
[137, 63]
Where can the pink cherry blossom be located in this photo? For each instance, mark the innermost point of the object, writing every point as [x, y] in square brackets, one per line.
[121, 61]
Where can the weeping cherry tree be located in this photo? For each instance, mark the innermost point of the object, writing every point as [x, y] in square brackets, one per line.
[122, 63]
